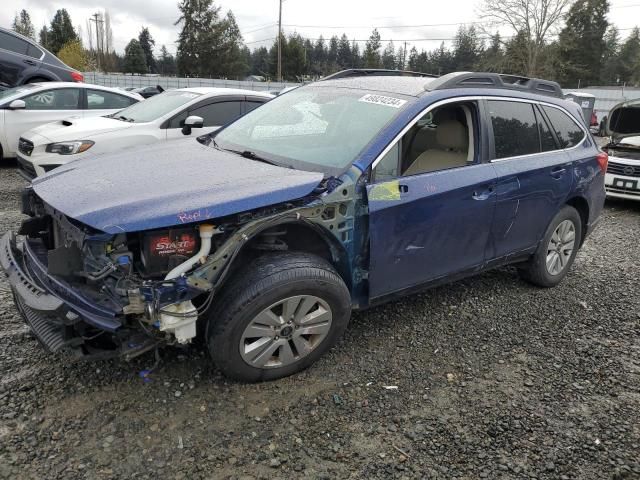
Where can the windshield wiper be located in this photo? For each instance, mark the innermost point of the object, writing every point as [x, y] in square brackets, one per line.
[250, 155]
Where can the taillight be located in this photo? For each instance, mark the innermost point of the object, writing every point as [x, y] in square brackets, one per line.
[603, 160]
[77, 77]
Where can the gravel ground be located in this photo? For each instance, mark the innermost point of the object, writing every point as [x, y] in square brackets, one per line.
[492, 378]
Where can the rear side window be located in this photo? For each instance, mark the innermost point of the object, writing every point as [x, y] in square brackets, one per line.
[34, 51]
[547, 142]
[515, 129]
[101, 100]
[59, 99]
[218, 114]
[567, 131]
[13, 44]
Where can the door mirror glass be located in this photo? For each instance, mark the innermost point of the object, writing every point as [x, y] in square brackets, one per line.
[192, 121]
[17, 105]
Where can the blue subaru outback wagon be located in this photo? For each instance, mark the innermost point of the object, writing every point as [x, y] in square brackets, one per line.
[339, 195]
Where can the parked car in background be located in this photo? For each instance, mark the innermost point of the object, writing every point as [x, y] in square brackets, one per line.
[623, 172]
[339, 195]
[147, 92]
[168, 116]
[28, 106]
[24, 61]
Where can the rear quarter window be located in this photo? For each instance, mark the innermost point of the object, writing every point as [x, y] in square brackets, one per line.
[567, 130]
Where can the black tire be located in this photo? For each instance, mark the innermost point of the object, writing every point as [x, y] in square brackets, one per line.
[535, 271]
[269, 279]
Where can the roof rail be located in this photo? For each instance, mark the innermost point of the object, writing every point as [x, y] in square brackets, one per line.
[495, 80]
[363, 72]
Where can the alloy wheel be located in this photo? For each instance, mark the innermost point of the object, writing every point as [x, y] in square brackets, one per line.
[286, 332]
[561, 247]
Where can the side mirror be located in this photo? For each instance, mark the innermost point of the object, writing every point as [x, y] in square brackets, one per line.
[192, 121]
[17, 105]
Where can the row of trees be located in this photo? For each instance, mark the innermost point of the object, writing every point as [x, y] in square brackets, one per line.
[567, 40]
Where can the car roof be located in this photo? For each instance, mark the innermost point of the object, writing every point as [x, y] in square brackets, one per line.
[411, 86]
[82, 85]
[214, 91]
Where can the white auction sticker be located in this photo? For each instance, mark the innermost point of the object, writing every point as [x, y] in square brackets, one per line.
[382, 100]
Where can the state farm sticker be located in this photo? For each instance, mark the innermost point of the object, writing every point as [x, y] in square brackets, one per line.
[383, 100]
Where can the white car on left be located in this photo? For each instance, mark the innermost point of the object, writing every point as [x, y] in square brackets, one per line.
[28, 106]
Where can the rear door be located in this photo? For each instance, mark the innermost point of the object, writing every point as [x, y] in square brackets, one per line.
[215, 113]
[430, 221]
[42, 107]
[98, 103]
[18, 60]
[535, 175]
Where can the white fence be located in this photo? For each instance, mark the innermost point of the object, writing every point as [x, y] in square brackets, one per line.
[122, 80]
[608, 97]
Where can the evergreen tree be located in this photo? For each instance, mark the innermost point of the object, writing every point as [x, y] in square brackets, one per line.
[629, 58]
[61, 31]
[356, 58]
[147, 43]
[200, 38]
[295, 60]
[492, 59]
[610, 73]
[166, 63]
[22, 24]
[43, 37]
[372, 51]
[413, 60]
[344, 53]
[467, 49]
[389, 57]
[332, 54]
[232, 61]
[134, 58]
[581, 43]
[260, 62]
[516, 55]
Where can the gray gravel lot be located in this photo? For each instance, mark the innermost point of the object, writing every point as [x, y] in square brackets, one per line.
[495, 379]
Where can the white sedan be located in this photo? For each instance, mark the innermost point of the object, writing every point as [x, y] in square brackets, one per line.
[171, 115]
[28, 106]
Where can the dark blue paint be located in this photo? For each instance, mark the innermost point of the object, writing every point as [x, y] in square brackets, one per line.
[167, 184]
[436, 228]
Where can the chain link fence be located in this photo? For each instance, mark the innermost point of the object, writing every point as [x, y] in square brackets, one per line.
[122, 81]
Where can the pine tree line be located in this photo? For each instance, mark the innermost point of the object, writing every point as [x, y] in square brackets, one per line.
[587, 51]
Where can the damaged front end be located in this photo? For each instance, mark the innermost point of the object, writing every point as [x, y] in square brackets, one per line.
[105, 295]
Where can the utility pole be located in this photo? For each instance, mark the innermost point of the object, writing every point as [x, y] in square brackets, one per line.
[280, 43]
[97, 21]
[404, 56]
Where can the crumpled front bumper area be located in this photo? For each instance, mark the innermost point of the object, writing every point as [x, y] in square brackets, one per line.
[57, 313]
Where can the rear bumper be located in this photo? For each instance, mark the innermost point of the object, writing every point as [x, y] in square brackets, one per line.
[56, 314]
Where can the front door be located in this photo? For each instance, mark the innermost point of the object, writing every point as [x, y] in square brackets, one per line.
[431, 202]
[215, 115]
[42, 107]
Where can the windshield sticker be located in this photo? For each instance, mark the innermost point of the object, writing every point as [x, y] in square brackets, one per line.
[382, 100]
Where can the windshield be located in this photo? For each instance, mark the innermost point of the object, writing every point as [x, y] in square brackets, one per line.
[10, 92]
[320, 129]
[155, 107]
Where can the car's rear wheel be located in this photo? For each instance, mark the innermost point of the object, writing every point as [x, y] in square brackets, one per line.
[277, 317]
[557, 251]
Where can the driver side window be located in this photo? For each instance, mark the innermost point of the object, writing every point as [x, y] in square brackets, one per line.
[442, 139]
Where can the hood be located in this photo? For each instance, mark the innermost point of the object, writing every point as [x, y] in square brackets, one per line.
[77, 128]
[624, 120]
[167, 184]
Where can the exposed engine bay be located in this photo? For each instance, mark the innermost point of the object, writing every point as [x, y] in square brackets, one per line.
[141, 289]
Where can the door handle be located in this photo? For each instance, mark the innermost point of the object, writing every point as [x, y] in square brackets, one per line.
[403, 188]
[482, 195]
[29, 62]
[557, 172]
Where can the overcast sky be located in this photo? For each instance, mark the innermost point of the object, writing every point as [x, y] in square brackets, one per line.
[398, 20]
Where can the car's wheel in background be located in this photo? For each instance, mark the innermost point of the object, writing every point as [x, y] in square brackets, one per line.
[277, 317]
[556, 251]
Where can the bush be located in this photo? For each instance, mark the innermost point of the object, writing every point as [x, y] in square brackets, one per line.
[74, 55]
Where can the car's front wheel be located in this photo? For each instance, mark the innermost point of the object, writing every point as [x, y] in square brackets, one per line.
[556, 251]
[277, 317]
